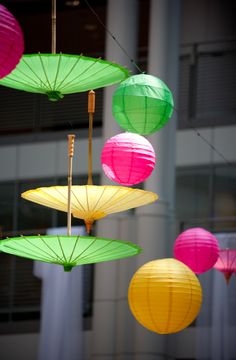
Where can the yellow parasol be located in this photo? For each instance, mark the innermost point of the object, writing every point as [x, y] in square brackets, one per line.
[90, 202]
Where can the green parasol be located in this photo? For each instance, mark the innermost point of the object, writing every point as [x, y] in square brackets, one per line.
[68, 251]
[58, 74]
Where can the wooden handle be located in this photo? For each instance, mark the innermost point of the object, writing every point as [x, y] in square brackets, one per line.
[54, 25]
[91, 102]
[71, 141]
[91, 111]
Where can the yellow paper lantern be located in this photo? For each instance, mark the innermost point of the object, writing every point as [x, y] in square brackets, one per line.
[165, 296]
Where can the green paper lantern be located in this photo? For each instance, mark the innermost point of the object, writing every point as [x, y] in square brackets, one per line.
[58, 74]
[142, 104]
[68, 251]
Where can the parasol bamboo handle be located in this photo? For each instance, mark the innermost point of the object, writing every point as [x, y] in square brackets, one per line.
[91, 111]
[54, 25]
[71, 141]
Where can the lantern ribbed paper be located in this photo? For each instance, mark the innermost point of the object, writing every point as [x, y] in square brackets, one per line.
[11, 42]
[69, 251]
[142, 104]
[197, 248]
[165, 296]
[226, 263]
[128, 158]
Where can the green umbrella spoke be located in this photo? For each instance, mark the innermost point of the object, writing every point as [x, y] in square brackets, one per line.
[50, 248]
[79, 75]
[57, 72]
[37, 247]
[74, 247]
[94, 251]
[85, 249]
[58, 238]
[70, 71]
[41, 82]
[45, 72]
[29, 254]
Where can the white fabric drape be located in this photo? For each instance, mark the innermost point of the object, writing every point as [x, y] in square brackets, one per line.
[61, 336]
[216, 324]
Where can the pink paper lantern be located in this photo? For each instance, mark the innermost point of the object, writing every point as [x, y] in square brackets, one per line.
[11, 42]
[128, 158]
[226, 263]
[197, 248]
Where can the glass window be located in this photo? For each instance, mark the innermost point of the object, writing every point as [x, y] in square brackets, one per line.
[192, 194]
[31, 215]
[7, 191]
[207, 197]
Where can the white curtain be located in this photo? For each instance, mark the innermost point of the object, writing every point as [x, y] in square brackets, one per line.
[61, 336]
[216, 324]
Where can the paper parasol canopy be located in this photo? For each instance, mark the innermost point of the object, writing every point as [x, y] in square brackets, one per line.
[90, 202]
[68, 251]
[58, 74]
[226, 263]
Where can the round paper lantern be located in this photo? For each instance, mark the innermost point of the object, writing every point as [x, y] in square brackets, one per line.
[128, 158]
[197, 248]
[11, 42]
[165, 296]
[142, 104]
[226, 263]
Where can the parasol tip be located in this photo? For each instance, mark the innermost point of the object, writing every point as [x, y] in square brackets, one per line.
[54, 95]
[227, 276]
[68, 268]
[88, 225]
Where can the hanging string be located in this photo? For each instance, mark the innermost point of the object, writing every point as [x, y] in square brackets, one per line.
[113, 37]
[138, 68]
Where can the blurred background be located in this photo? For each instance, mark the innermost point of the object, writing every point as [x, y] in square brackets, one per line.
[191, 45]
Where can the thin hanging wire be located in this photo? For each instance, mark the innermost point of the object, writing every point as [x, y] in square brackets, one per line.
[219, 153]
[113, 37]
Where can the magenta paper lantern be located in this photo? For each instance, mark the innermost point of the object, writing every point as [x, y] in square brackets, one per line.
[226, 263]
[197, 248]
[11, 42]
[128, 158]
